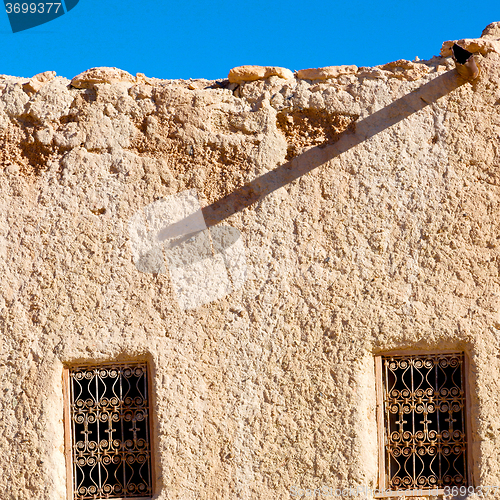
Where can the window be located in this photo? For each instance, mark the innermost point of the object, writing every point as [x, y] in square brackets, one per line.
[422, 422]
[107, 432]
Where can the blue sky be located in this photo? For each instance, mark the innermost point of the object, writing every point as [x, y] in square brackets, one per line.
[199, 39]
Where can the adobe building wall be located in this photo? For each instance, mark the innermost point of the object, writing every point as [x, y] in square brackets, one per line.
[367, 204]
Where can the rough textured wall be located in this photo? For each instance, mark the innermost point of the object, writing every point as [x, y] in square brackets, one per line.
[367, 200]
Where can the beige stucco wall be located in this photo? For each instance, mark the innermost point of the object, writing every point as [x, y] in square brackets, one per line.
[391, 241]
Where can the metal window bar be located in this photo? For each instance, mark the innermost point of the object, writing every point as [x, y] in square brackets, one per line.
[109, 414]
[424, 412]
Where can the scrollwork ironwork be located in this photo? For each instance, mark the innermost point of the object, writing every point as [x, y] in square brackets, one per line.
[425, 432]
[110, 432]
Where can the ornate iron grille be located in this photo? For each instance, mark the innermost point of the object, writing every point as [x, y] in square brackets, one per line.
[425, 429]
[109, 415]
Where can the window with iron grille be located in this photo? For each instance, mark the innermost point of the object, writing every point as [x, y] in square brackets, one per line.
[108, 433]
[422, 421]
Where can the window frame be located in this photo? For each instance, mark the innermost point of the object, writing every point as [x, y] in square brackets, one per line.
[381, 428]
[68, 435]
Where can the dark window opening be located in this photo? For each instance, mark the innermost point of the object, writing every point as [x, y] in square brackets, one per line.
[425, 437]
[110, 436]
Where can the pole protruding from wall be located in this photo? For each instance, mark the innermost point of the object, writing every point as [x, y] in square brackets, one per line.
[465, 62]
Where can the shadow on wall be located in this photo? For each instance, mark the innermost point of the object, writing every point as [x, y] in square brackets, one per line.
[206, 266]
[400, 109]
